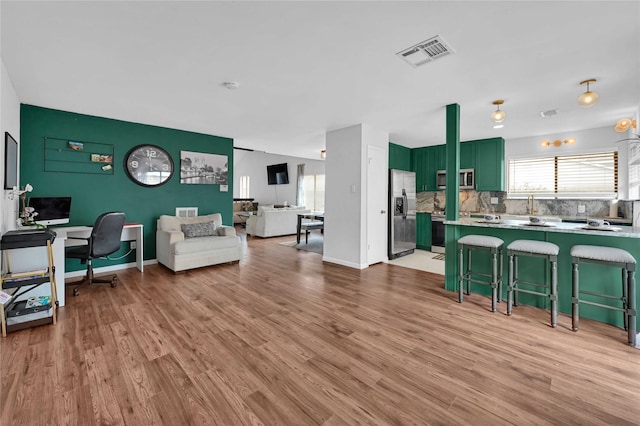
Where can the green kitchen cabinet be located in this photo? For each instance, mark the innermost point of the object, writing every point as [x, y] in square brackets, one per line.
[423, 231]
[489, 164]
[420, 162]
[468, 155]
[437, 161]
[399, 157]
[440, 158]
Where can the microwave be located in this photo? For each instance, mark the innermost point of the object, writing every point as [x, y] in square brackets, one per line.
[467, 179]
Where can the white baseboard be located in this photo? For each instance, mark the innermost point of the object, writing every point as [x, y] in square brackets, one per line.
[343, 263]
[104, 269]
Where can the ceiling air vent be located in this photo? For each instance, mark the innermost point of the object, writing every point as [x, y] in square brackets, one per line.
[426, 51]
[549, 113]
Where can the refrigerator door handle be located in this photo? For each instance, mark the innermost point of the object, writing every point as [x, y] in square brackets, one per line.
[405, 203]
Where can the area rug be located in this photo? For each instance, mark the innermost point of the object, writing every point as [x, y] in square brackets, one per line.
[315, 244]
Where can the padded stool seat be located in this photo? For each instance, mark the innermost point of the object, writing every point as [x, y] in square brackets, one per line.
[530, 248]
[607, 256]
[485, 243]
[309, 226]
[481, 241]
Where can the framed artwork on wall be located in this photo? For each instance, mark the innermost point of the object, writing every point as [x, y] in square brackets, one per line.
[10, 161]
[202, 168]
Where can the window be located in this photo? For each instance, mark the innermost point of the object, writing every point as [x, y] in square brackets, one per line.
[593, 174]
[314, 192]
[244, 187]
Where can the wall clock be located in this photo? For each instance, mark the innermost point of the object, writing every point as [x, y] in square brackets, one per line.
[148, 165]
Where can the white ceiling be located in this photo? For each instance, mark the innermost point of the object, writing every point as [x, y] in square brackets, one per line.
[306, 68]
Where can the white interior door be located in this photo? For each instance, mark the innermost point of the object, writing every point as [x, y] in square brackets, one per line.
[377, 204]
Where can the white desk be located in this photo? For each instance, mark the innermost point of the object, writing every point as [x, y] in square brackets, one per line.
[131, 232]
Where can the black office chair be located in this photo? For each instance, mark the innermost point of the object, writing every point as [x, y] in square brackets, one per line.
[104, 240]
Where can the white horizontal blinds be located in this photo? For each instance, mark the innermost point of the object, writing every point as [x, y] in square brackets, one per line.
[587, 173]
[532, 175]
[593, 174]
[244, 186]
[314, 192]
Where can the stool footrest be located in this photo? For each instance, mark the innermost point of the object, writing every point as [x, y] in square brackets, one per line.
[604, 296]
[613, 308]
[534, 292]
[481, 282]
[529, 283]
[480, 274]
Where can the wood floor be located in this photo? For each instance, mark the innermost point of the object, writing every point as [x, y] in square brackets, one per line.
[282, 338]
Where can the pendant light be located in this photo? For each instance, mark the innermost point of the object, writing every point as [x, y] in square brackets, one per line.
[588, 98]
[623, 125]
[498, 115]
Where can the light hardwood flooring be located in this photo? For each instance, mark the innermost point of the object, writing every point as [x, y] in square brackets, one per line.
[281, 338]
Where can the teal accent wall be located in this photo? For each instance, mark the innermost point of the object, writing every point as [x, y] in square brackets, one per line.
[399, 157]
[93, 194]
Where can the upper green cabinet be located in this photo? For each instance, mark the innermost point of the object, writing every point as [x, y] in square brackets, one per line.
[400, 157]
[486, 156]
[439, 160]
[468, 155]
[489, 164]
[420, 165]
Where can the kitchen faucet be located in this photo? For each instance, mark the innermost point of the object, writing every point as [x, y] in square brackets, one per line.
[531, 206]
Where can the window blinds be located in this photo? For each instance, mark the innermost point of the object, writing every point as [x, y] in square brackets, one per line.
[583, 174]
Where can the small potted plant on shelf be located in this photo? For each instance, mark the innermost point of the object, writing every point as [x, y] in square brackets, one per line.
[28, 214]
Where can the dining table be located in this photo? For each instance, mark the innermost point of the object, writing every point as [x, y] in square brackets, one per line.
[309, 215]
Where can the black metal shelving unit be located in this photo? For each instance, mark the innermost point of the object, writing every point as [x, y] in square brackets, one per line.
[17, 314]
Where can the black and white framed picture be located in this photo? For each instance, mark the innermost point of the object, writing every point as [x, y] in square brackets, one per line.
[203, 168]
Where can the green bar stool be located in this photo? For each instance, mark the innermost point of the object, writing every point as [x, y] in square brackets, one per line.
[484, 243]
[613, 257]
[532, 248]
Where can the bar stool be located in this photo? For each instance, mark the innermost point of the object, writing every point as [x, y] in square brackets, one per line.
[607, 256]
[485, 243]
[531, 248]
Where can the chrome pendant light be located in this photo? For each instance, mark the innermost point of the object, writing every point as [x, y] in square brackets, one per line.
[498, 115]
[588, 98]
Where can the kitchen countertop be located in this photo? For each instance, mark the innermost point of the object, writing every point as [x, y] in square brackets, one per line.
[565, 227]
[465, 215]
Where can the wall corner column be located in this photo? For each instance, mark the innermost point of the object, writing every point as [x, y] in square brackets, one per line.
[452, 195]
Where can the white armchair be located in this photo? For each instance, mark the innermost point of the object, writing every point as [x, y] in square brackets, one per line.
[203, 241]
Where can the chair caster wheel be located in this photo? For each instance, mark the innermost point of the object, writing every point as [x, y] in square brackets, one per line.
[76, 291]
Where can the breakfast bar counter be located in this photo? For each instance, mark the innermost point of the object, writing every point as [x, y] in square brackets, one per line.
[564, 235]
[563, 227]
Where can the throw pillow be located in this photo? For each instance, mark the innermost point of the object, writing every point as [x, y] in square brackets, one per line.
[194, 230]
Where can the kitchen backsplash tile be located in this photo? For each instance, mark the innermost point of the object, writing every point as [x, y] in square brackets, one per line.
[474, 201]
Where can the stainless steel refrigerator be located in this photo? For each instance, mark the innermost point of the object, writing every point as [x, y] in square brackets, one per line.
[402, 217]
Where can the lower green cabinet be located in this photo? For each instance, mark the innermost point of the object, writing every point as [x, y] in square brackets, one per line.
[423, 231]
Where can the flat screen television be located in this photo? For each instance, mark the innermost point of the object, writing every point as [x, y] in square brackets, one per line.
[10, 162]
[277, 174]
[51, 210]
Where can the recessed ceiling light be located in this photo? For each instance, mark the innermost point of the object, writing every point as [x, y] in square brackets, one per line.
[231, 85]
[498, 126]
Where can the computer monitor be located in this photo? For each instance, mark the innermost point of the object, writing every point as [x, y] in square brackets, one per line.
[51, 210]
